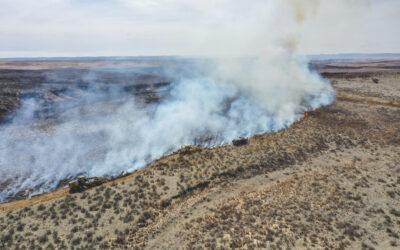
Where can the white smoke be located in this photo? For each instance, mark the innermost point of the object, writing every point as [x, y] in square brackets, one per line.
[122, 136]
[225, 99]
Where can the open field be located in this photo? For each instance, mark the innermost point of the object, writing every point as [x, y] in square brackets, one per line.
[330, 181]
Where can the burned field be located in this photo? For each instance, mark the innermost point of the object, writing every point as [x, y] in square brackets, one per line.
[331, 180]
[62, 82]
[35, 102]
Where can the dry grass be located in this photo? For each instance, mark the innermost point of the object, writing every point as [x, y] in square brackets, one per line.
[330, 180]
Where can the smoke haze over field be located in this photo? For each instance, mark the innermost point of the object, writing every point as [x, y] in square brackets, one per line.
[254, 84]
[109, 132]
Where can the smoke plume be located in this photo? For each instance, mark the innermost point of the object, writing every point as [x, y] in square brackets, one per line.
[107, 131]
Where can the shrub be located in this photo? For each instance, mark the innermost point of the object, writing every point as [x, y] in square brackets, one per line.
[41, 207]
[43, 239]
[76, 241]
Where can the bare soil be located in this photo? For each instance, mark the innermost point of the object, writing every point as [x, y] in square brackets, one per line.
[330, 181]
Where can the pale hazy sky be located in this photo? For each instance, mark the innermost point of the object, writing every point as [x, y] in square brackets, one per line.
[195, 27]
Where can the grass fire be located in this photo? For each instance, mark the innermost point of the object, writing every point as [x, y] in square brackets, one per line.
[199, 125]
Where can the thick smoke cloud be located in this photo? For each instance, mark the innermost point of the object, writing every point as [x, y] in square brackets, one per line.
[264, 88]
[109, 132]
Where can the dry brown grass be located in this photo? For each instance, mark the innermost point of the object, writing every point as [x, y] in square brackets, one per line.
[330, 180]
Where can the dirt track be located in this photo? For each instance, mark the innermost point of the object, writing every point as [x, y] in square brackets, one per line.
[331, 180]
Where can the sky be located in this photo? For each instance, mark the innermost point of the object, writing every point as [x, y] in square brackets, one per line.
[38, 28]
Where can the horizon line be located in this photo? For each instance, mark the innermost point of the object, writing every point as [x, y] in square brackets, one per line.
[314, 55]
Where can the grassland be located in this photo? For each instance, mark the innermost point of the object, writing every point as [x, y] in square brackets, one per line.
[330, 181]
